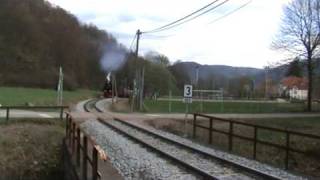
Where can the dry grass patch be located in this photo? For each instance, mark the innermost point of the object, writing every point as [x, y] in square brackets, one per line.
[31, 150]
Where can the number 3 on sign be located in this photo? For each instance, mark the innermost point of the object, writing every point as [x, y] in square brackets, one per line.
[187, 91]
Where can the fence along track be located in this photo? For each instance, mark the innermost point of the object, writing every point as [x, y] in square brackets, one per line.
[231, 135]
[78, 146]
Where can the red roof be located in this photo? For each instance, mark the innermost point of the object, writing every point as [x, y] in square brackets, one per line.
[293, 81]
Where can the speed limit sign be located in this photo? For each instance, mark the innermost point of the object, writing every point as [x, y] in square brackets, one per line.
[187, 93]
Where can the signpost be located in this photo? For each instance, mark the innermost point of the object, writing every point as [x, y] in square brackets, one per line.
[60, 88]
[187, 93]
[187, 96]
[187, 99]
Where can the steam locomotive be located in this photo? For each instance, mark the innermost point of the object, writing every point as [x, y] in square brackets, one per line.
[107, 88]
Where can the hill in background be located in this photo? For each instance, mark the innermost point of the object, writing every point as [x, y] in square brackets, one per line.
[36, 38]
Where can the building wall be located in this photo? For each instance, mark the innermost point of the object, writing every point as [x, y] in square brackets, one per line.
[298, 94]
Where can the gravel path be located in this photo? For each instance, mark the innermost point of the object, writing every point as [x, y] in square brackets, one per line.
[132, 160]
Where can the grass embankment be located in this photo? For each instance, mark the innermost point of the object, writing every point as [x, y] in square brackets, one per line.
[309, 164]
[162, 106]
[21, 96]
[31, 149]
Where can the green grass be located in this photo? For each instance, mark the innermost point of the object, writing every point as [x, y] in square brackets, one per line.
[306, 125]
[162, 106]
[20, 96]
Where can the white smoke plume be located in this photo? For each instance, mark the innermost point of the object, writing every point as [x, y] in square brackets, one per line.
[108, 77]
[113, 57]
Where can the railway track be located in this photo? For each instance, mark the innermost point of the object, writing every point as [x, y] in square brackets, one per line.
[90, 106]
[198, 162]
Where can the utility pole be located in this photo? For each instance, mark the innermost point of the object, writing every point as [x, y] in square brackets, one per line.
[60, 88]
[137, 45]
[139, 75]
[141, 89]
[266, 82]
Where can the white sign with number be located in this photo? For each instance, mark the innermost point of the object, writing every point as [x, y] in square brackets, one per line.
[187, 93]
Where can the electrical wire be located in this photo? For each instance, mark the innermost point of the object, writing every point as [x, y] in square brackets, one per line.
[192, 18]
[149, 36]
[231, 12]
[133, 40]
[189, 15]
[228, 14]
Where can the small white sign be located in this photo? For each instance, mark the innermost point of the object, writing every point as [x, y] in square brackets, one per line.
[187, 93]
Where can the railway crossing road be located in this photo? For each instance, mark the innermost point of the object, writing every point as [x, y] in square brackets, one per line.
[29, 114]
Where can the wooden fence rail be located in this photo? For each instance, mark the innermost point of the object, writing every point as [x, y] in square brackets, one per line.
[255, 140]
[78, 146]
[8, 108]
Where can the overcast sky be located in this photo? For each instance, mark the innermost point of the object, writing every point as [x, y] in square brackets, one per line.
[241, 39]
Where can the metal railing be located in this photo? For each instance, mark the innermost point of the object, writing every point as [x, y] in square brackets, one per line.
[255, 140]
[78, 146]
[8, 108]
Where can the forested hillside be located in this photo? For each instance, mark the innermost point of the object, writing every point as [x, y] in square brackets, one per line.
[37, 37]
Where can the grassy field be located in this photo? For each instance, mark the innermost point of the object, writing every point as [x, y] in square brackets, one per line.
[162, 106]
[305, 164]
[21, 96]
[31, 149]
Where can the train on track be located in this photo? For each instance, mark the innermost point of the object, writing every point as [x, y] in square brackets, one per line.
[110, 85]
[107, 88]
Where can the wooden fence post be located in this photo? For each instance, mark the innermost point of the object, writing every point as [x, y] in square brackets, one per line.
[70, 131]
[61, 113]
[287, 150]
[94, 164]
[194, 125]
[230, 135]
[73, 136]
[210, 131]
[7, 115]
[78, 147]
[84, 158]
[67, 125]
[255, 142]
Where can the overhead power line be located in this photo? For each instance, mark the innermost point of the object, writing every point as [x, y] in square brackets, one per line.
[217, 19]
[231, 12]
[132, 42]
[194, 17]
[204, 7]
[174, 23]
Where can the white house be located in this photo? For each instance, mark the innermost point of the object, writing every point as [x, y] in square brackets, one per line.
[300, 94]
[294, 88]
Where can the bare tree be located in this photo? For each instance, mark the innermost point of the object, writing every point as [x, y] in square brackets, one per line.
[300, 34]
